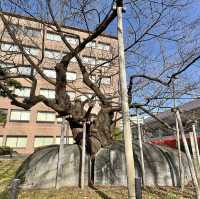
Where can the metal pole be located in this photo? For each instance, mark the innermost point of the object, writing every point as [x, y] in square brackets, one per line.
[14, 188]
[178, 142]
[189, 159]
[194, 154]
[83, 157]
[61, 155]
[125, 107]
[141, 148]
[67, 132]
[196, 144]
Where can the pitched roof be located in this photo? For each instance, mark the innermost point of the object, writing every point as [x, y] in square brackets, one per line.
[168, 116]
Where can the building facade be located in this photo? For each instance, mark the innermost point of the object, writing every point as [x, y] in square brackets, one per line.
[24, 130]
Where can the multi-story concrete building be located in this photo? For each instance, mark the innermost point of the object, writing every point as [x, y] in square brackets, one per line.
[26, 129]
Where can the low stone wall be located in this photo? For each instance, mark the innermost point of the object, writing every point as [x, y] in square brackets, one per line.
[40, 169]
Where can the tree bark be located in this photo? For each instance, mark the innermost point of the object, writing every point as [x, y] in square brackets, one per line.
[125, 111]
[189, 159]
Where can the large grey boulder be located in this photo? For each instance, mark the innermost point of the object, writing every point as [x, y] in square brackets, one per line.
[41, 168]
[161, 164]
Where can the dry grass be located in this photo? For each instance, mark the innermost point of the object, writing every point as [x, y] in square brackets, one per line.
[9, 167]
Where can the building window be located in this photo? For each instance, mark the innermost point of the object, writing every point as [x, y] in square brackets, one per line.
[104, 62]
[52, 54]
[28, 31]
[53, 37]
[31, 51]
[49, 73]
[42, 141]
[9, 47]
[91, 44]
[73, 60]
[16, 141]
[70, 76]
[45, 116]
[89, 60]
[93, 78]
[68, 140]
[73, 40]
[58, 140]
[106, 80]
[71, 94]
[48, 93]
[103, 46]
[19, 115]
[15, 28]
[7, 66]
[85, 96]
[31, 32]
[22, 92]
[1, 140]
[59, 119]
[25, 70]
[11, 68]
[14, 48]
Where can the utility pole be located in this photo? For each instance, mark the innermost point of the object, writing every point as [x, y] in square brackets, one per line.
[180, 164]
[125, 107]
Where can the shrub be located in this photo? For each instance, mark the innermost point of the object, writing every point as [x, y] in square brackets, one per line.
[117, 134]
[6, 151]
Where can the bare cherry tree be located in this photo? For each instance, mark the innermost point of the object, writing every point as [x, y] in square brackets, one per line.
[161, 43]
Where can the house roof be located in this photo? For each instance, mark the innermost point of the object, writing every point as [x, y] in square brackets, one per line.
[187, 110]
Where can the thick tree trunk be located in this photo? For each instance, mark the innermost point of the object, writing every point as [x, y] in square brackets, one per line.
[99, 132]
[189, 159]
[125, 111]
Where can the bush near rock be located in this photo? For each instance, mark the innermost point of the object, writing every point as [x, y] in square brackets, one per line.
[6, 151]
